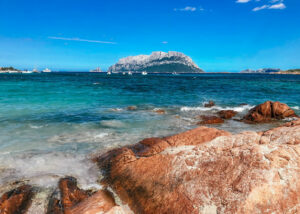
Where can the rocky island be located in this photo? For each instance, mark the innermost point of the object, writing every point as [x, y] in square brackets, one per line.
[261, 71]
[271, 71]
[157, 62]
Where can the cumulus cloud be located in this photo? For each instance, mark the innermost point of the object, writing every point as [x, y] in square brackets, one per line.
[80, 40]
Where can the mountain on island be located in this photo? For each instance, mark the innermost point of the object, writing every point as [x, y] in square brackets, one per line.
[157, 62]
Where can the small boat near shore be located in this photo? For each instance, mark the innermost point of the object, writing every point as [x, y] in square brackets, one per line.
[144, 73]
[46, 70]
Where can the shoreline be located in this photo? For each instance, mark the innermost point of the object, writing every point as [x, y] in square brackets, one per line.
[115, 161]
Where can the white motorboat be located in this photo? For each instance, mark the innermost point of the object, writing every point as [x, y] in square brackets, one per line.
[46, 70]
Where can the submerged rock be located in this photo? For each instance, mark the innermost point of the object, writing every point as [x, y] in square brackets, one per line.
[209, 171]
[227, 114]
[209, 104]
[268, 111]
[206, 120]
[131, 108]
[160, 111]
[17, 200]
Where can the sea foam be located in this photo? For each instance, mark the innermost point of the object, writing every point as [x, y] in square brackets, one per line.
[46, 169]
[217, 108]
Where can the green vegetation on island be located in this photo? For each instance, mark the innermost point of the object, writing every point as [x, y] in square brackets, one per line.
[8, 69]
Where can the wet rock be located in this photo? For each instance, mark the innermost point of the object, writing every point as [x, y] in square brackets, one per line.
[16, 201]
[70, 193]
[227, 114]
[132, 108]
[54, 205]
[244, 173]
[269, 111]
[206, 120]
[209, 104]
[73, 200]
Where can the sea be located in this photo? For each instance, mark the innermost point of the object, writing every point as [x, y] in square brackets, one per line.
[53, 124]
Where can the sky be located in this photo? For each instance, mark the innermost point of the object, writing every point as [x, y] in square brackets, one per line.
[219, 35]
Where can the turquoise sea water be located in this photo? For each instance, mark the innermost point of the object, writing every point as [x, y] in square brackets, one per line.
[52, 124]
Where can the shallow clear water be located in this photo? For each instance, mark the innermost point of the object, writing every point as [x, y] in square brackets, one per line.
[51, 124]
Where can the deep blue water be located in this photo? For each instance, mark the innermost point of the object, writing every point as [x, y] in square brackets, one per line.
[50, 123]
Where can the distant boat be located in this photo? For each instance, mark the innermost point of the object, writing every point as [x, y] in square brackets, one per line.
[108, 73]
[12, 72]
[35, 70]
[144, 73]
[26, 72]
[46, 70]
[174, 73]
[124, 73]
[129, 73]
[96, 70]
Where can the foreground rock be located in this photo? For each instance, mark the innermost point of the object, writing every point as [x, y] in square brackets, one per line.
[269, 111]
[16, 201]
[209, 171]
[208, 120]
[227, 114]
[77, 201]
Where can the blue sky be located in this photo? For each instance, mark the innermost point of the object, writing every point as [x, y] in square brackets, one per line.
[219, 35]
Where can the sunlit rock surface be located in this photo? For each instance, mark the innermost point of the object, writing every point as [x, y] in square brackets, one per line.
[215, 173]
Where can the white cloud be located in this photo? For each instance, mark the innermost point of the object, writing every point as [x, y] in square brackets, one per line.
[242, 1]
[279, 6]
[187, 8]
[273, 4]
[260, 8]
[164, 42]
[80, 40]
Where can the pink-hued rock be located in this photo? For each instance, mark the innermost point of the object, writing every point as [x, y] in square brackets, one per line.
[267, 111]
[209, 171]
